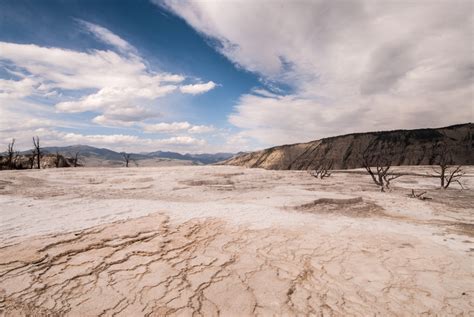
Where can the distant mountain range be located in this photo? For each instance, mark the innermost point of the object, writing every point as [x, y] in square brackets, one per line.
[405, 147]
[92, 156]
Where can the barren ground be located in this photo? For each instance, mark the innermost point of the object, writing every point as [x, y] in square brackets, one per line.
[219, 240]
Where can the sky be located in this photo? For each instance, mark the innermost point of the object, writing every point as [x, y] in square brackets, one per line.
[229, 76]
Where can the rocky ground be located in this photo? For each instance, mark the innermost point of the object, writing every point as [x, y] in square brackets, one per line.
[220, 240]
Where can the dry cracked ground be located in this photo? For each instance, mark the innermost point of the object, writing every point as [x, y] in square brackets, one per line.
[217, 240]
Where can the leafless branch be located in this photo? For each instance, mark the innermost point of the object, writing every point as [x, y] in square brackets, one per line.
[420, 196]
[323, 170]
[446, 172]
[126, 158]
[31, 159]
[74, 158]
[378, 168]
[11, 155]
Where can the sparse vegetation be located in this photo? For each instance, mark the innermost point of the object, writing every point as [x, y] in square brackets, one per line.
[57, 160]
[12, 155]
[31, 159]
[322, 170]
[37, 151]
[420, 196]
[74, 159]
[126, 158]
[12, 159]
[447, 172]
[378, 168]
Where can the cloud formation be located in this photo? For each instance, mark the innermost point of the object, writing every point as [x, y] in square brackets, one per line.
[351, 65]
[114, 139]
[175, 127]
[117, 85]
[198, 129]
[120, 80]
[197, 89]
[164, 127]
[108, 37]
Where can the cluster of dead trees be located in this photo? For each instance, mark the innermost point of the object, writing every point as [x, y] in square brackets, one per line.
[12, 159]
[379, 168]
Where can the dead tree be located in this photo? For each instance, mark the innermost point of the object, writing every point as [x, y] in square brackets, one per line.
[378, 168]
[75, 159]
[37, 150]
[31, 159]
[322, 170]
[57, 159]
[420, 196]
[448, 172]
[11, 155]
[126, 158]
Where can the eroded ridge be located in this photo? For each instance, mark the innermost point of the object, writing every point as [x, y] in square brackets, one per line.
[147, 266]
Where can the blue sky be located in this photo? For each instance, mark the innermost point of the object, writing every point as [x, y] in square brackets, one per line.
[217, 76]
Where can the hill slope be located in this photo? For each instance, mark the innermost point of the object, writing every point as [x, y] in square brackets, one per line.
[406, 147]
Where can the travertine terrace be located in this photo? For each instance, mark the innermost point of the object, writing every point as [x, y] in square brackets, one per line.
[220, 240]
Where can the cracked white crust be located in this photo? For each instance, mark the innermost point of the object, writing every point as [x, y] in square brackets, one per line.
[377, 264]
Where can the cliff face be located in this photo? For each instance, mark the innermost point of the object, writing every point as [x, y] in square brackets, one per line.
[404, 147]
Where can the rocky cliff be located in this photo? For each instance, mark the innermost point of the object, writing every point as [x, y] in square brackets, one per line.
[404, 147]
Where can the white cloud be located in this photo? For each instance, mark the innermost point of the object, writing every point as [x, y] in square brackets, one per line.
[118, 86]
[17, 116]
[198, 129]
[125, 116]
[115, 97]
[351, 65]
[49, 136]
[72, 70]
[130, 113]
[164, 127]
[108, 37]
[108, 122]
[129, 142]
[238, 140]
[174, 127]
[182, 140]
[17, 88]
[98, 139]
[197, 89]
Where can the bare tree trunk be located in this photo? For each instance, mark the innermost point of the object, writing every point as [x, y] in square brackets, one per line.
[11, 154]
[447, 174]
[322, 170]
[36, 144]
[76, 156]
[380, 175]
[31, 159]
[126, 158]
[442, 174]
[57, 160]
